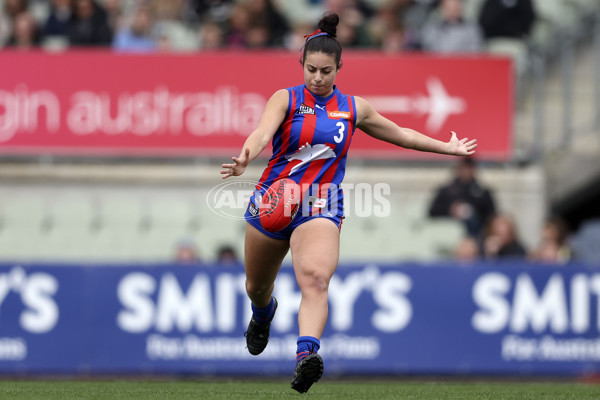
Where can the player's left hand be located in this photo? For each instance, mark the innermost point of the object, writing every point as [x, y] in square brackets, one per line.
[462, 147]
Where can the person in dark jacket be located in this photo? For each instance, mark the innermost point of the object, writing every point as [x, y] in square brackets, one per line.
[506, 18]
[89, 25]
[464, 199]
[58, 21]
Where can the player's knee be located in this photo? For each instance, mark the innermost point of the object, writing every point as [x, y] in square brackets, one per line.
[258, 288]
[314, 281]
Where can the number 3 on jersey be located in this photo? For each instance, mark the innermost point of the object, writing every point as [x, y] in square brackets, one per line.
[340, 136]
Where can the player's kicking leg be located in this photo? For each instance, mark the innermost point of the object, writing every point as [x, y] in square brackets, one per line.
[315, 251]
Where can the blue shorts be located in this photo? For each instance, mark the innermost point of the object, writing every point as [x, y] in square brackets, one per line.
[311, 208]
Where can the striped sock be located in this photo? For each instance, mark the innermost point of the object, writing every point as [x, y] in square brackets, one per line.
[264, 315]
[307, 345]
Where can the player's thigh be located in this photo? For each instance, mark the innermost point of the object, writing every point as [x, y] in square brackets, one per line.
[315, 250]
[263, 256]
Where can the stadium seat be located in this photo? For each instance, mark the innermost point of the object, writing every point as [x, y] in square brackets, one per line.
[154, 246]
[552, 17]
[471, 9]
[442, 235]
[179, 37]
[24, 223]
[300, 12]
[119, 218]
[70, 235]
[170, 212]
[373, 238]
[514, 48]
[557, 12]
[54, 43]
[216, 231]
[23, 211]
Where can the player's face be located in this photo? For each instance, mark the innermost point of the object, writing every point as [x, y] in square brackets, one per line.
[319, 73]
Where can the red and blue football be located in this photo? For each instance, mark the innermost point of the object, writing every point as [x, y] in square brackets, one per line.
[279, 204]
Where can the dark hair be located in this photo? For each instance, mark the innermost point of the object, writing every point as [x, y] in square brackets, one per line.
[327, 44]
[562, 229]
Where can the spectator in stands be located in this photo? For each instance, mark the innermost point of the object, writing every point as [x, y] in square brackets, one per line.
[24, 36]
[415, 13]
[450, 32]
[58, 22]
[168, 10]
[238, 25]
[89, 25]
[500, 240]
[295, 39]
[12, 8]
[226, 256]
[352, 31]
[585, 242]
[211, 36]
[353, 27]
[340, 6]
[464, 199]
[266, 21]
[5, 29]
[506, 18]
[554, 246]
[386, 19]
[258, 35]
[114, 13]
[186, 252]
[214, 10]
[395, 41]
[467, 250]
[136, 37]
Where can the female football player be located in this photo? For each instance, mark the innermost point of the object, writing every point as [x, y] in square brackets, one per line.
[311, 127]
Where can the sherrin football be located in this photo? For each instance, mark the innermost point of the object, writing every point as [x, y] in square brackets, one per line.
[279, 205]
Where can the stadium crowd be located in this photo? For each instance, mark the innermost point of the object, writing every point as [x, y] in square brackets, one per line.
[194, 25]
[491, 234]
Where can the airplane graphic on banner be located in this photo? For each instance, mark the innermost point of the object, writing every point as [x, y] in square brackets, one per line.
[438, 104]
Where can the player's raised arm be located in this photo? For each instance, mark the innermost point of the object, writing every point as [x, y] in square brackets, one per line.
[379, 127]
[269, 122]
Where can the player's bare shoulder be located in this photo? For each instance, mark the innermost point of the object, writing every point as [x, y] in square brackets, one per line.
[274, 112]
[363, 110]
[279, 100]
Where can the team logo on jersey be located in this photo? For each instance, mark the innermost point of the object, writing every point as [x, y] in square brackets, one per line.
[338, 115]
[304, 109]
[308, 153]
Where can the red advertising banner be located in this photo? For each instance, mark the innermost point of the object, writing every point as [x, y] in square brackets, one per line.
[207, 103]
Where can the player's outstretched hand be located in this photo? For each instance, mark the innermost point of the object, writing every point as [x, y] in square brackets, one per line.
[462, 147]
[238, 167]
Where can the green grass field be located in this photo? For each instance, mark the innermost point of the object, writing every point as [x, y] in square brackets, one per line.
[180, 390]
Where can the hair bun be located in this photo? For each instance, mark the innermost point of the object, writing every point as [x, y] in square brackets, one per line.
[328, 23]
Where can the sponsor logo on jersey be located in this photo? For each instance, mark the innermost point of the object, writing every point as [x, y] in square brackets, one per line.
[304, 109]
[338, 114]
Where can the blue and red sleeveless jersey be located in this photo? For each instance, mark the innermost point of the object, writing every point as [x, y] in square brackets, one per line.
[311, 144]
